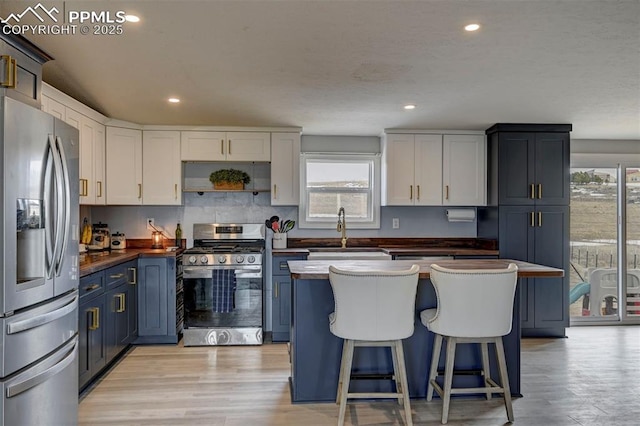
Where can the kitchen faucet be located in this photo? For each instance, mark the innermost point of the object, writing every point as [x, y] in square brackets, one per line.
[342, 226]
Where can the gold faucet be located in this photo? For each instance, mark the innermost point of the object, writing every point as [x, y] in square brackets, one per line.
[342, 226]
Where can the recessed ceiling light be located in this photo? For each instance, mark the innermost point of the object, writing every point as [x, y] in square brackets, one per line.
[131, 18]
[410, 106]
[472, 27]
[174, 100]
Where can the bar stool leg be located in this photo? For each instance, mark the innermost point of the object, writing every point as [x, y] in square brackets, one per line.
[396, 376]
[486, 368]
[504, 377]
[341, 375]
[404, 383]
[345, 380]
[448, 377]
[433, 371]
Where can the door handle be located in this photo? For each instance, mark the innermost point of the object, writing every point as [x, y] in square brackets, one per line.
[276, 290]
[95, 318]
[229, 150]
[175, 191]
[532, 216]
[139, 190]
[532, 191]
[411, 192]
[539, 219]
[11, 72]
[116, 276]
[222, 146]
[135, 275]
[275, 191]
[121, 303]
[446, 188]
[418, 188]
[539, 190]
[62, 308]
[99, 188]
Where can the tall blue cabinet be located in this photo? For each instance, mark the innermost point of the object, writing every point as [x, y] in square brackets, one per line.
[528, 212]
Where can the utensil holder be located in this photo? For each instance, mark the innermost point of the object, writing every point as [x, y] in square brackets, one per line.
[279, 240]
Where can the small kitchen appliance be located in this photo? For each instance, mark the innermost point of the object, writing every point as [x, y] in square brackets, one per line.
[223, 285]
[118, 241]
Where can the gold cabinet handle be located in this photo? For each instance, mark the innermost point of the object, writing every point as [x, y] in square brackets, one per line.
[134, 273]
[539, 190]
[446, 189]
[532, 216]
[92, 287]
[121, 303]
[229, 150]
[139, 190]
[95, 318]
[276, 290]
[99, 189]
[532, 192]
[84, 187]
[418, 188]
[11, 72]
[539, 218]
[411, 192]
[116, 276]
[275, 191]
[175, 191]
[222, 146]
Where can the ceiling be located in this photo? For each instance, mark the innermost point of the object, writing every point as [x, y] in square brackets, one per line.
[348, 67]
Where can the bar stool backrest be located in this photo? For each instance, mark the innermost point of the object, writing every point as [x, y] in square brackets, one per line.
[373, 305]
[473, 302]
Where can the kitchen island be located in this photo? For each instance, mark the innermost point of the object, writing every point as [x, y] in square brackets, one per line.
[315, 352]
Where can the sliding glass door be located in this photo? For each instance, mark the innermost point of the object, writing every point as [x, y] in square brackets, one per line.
[605, 240]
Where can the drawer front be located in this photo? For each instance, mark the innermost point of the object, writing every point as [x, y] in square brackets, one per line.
[34, 333]
[91, 284]
[117, 275]
[280, 266]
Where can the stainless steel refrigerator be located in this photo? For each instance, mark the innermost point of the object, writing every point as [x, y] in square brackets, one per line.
[39, 266]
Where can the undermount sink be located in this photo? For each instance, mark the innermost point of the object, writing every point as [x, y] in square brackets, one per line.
[347, 254]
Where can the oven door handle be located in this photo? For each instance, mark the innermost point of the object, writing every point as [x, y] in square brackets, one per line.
[242, 274]
[196, 273]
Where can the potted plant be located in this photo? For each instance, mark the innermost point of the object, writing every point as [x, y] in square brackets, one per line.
[229, 179]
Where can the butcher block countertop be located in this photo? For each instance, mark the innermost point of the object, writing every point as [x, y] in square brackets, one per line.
[319, 269]
[91, 262]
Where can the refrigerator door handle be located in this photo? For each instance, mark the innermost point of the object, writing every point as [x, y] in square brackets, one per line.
[47, 185]
[58, 204]
[65, 205]
[65, 357]
[62, 307]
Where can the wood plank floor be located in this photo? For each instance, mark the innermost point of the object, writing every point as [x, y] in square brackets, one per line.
[590, 378]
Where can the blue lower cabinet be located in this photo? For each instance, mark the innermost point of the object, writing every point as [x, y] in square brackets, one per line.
[281, 297]
[157, 300]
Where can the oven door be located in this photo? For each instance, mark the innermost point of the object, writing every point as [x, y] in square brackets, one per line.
[223, 296]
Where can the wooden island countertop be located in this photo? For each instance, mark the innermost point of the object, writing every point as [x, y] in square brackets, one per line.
[319, 269]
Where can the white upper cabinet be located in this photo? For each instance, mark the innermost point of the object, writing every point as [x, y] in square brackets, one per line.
[285, 169]
[412, 170]
[225, 146]
[92, 150]
[433, 169]
[161, 168]
[124, 166]
[464, 170]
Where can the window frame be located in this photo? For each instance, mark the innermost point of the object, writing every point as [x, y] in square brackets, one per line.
[373, 222]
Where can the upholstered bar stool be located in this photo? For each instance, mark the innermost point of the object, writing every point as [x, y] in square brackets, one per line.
[474, 306]
[373, 308]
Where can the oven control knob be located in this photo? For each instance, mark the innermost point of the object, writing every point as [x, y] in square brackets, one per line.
[192, 259]
[204, 259]
[251, 259]
[239, 259]
[222, 259]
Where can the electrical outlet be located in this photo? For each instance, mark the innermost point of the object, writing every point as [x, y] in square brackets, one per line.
[396, 223]
[150, 222]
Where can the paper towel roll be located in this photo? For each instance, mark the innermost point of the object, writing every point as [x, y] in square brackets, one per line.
[461, 215]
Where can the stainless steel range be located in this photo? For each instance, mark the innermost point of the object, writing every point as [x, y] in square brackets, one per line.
[223, 285]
